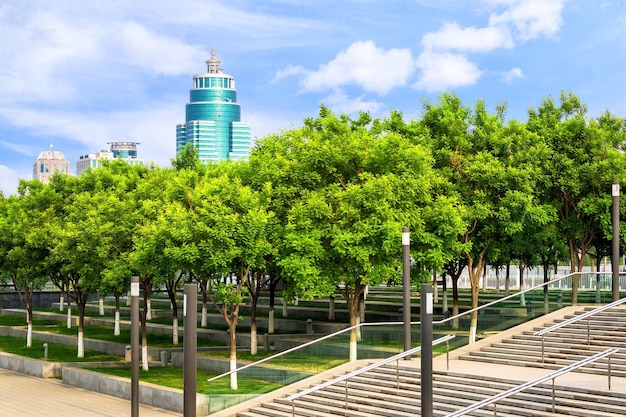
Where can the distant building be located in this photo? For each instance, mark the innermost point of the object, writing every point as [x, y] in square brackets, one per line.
[126, 151]
[49, 162]
[213, 117]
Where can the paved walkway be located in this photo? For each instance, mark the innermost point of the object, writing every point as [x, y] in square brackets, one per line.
[25, 396]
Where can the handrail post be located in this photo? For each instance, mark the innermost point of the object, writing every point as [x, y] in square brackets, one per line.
[553, 396]
[609, 358]
[447, 355]
[542, 349]
[588, 331]
[346, 397]
[398, 374]
[495, 409]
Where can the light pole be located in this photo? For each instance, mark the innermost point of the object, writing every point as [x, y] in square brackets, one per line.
[426, 354]
[615, 255]
[406, 286]
[190, 349]
[134, 346]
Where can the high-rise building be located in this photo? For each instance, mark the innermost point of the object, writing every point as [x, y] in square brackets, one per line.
[49, 162]
[213, 117]
[126, 151]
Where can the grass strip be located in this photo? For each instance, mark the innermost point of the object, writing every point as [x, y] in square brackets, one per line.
[172, 377]
[56, 352]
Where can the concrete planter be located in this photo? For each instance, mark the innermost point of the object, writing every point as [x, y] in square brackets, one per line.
[154, 395]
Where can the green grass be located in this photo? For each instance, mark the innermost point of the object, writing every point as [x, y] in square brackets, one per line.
[56, 352]
[172, 376]
[106, 333]
[298, 361]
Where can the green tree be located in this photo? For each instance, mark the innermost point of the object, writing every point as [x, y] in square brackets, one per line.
[583, 161]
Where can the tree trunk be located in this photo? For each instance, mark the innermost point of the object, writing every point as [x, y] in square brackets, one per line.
[69, 313]
[331, 308]
[116, 328]
[233, 354]
[507, 281]
[29, 324]
[101, 305]
[522, 297]
[61, 302]
[81, 330]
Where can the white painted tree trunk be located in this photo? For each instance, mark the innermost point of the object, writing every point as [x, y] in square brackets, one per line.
[144, 357]
[116, 329]
[353, 345]
[29, 335]
[233, 376]
[285, 312]
[203, 320]
[101, 305]
[128, 299]
[270, 322]
[61, 302]
[358, 329]
[149, 309]
[81, 344]
[253, 342]
[472, 334]
[444, 296]
[69, 316]
[175, 331]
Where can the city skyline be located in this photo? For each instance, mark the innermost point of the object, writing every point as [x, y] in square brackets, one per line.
[77, 76]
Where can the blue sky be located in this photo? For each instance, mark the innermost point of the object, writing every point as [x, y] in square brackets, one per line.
[78, 74]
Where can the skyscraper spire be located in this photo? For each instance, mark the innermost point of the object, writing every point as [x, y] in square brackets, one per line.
[213, 64]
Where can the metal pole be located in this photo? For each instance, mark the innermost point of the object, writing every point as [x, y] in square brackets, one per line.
[190, 349]
[406, 286]
[615, 252]
[426, 354]
[134, 346]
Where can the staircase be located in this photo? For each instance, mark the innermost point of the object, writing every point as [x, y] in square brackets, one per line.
[565, 345]
[476, 372]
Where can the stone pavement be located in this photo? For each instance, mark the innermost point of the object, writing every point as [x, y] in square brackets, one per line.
[25, 396]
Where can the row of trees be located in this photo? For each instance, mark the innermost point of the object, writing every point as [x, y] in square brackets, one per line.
[320, 209]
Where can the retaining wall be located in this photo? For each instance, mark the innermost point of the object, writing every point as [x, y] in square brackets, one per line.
[154, 395]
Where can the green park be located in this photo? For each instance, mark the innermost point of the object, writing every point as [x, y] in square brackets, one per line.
[304, 239]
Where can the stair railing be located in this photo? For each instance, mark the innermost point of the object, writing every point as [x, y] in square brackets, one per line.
[587, 315]
[347, 329]
[346, 377]
[551, 376]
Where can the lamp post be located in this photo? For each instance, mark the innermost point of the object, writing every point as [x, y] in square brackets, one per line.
[615, 253]
[406, 286]
[134, 346]
[190, 351]
[426, 354]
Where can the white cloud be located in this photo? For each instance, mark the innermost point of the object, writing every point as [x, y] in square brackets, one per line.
[8, 180]
[531, 18]
[443, 71]
[339, 102]
[511, 75]
[363, 64]
[290, 71]
[452, 37]
[153, 52]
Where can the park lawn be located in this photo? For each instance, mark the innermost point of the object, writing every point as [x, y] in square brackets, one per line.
[298, 361]
[106, 333]
[56, 352]
[172, 377]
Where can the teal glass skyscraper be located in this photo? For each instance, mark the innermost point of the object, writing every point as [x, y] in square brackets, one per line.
[213, 117]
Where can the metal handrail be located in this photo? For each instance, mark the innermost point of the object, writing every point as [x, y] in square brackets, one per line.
[574, 319]
[375, 365]
[494, 399]
[347, 329]
[517, 294]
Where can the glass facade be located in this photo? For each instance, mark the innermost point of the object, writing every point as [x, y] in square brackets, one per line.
[213, 117]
